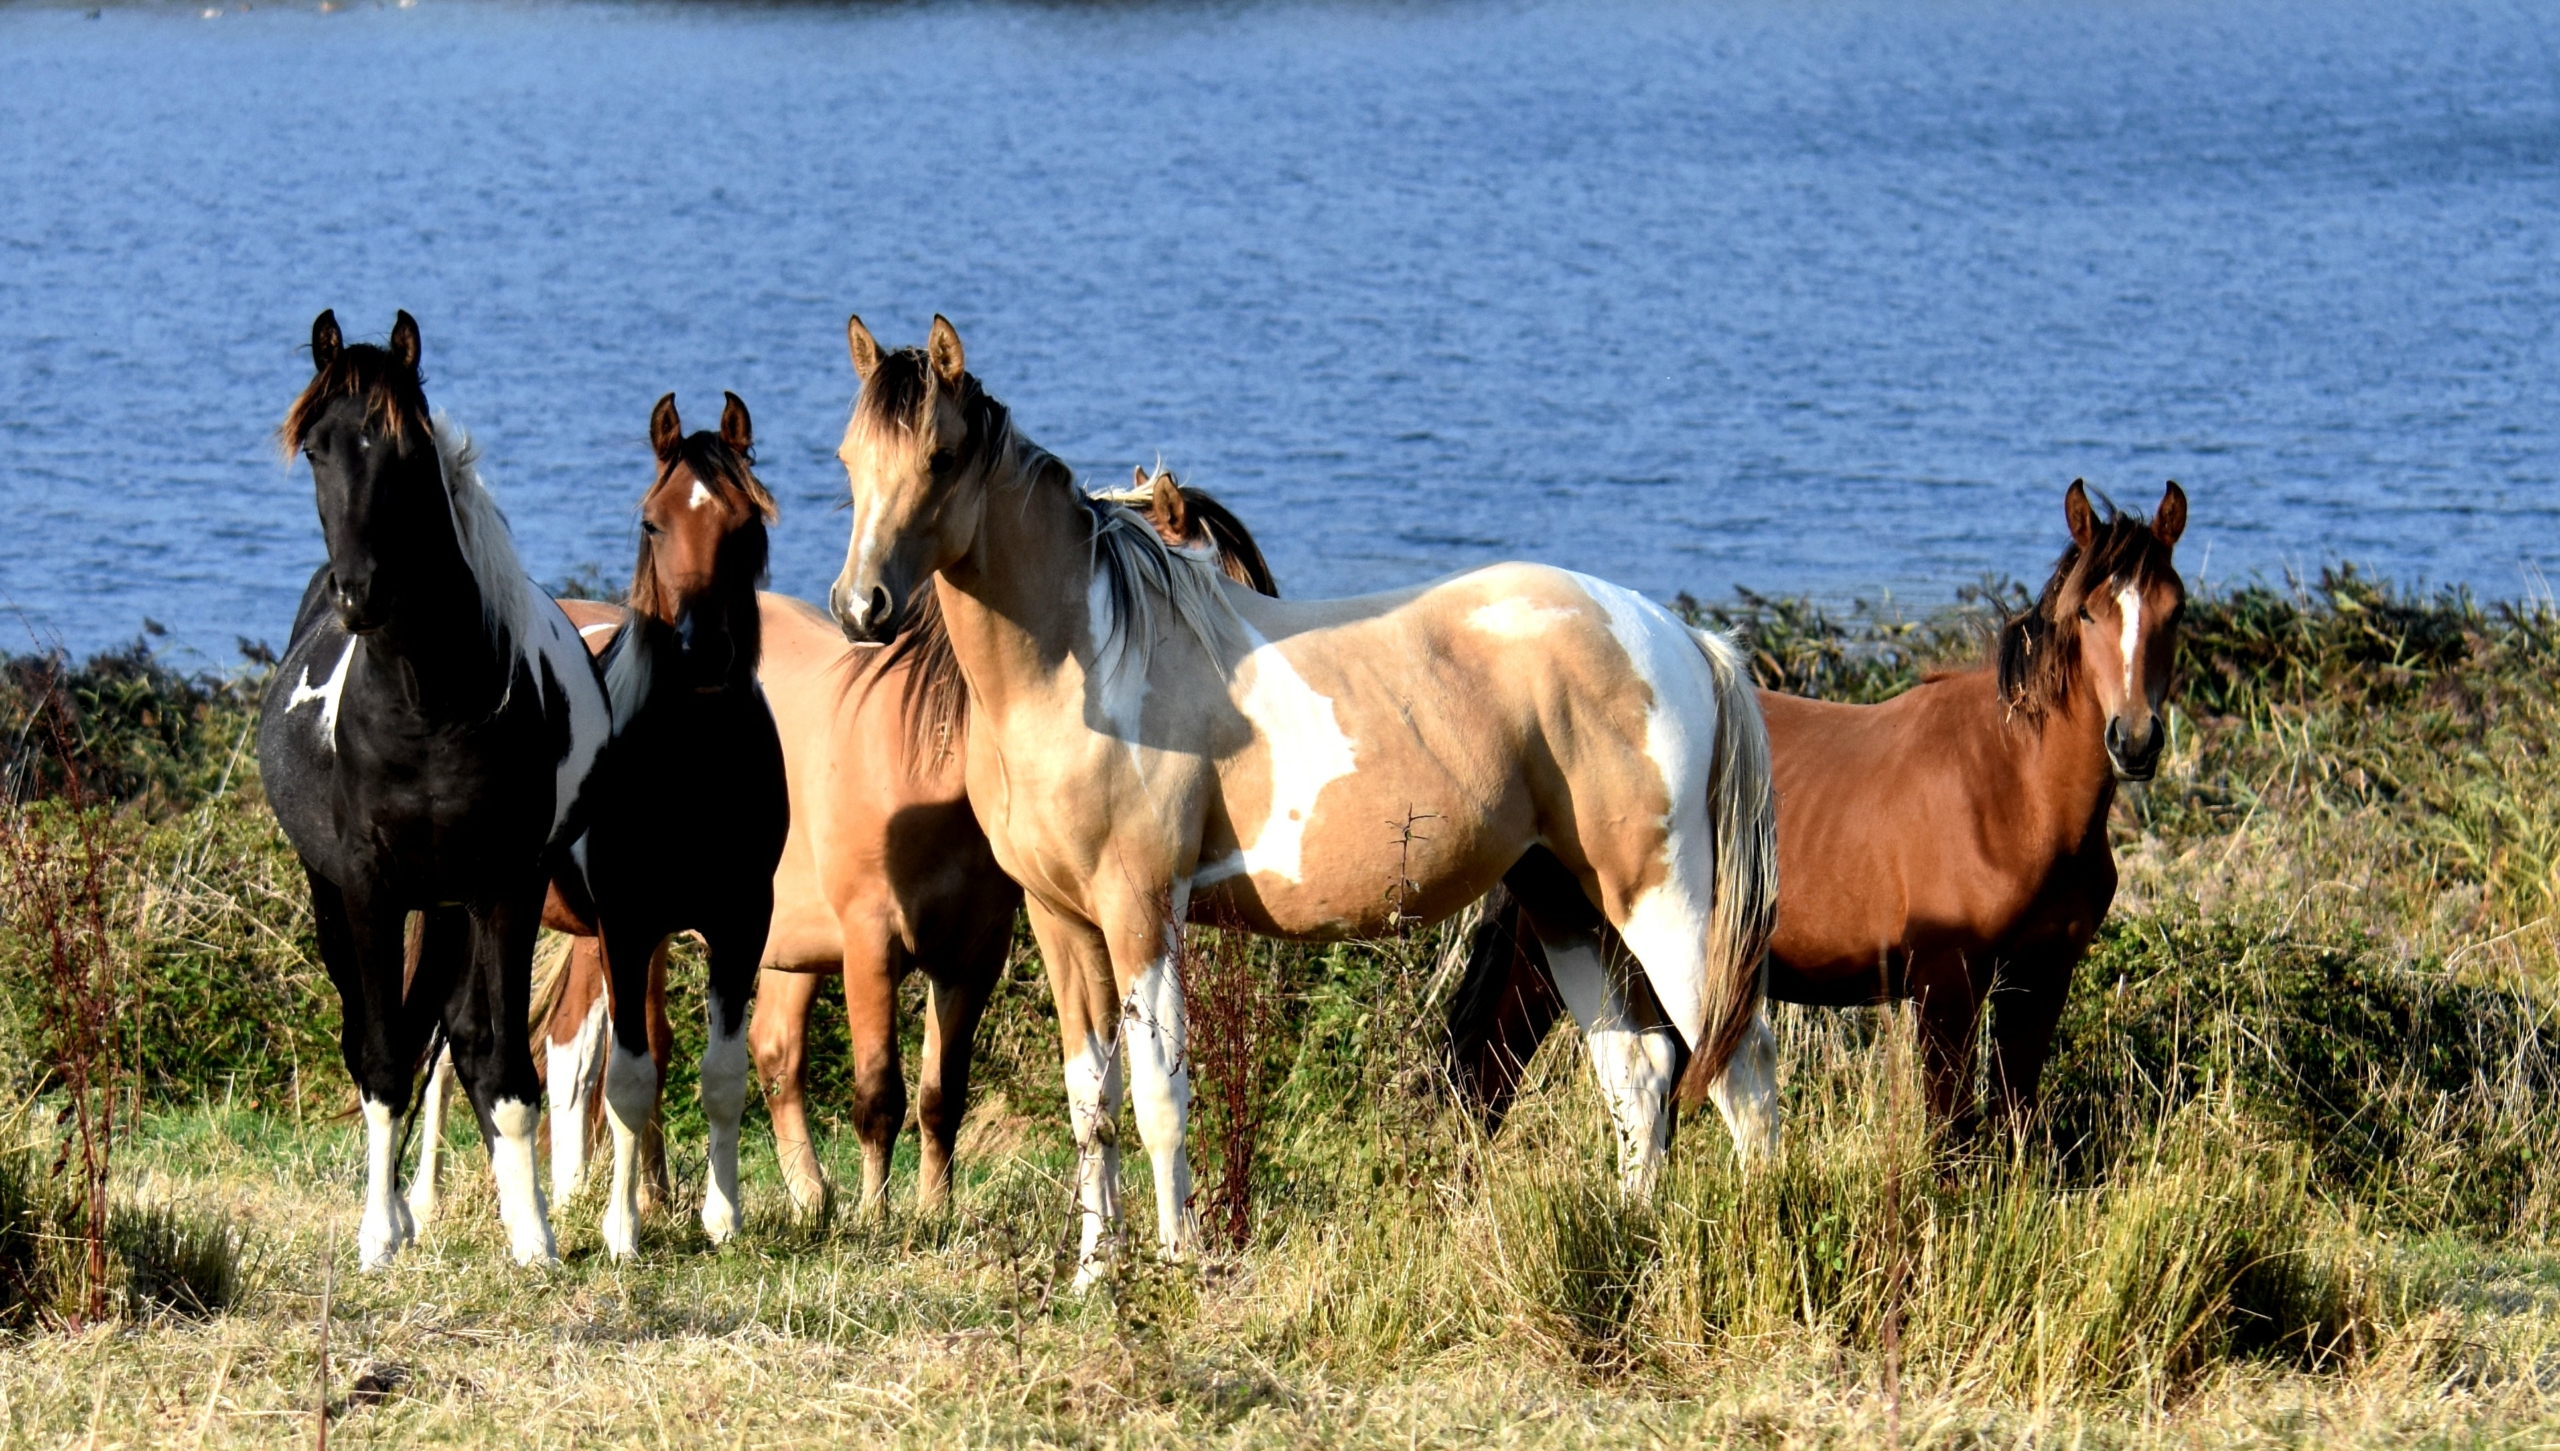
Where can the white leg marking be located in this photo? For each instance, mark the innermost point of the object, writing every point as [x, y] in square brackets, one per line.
[1634, 1065]
[724, 1100]
[630, 1095]
[2129, 612]
[423, 1184]
[1746, 1094]
[1093, 1108]
[386, 1225]
[570, 1074]
[1160, 1087]
[520, 1204]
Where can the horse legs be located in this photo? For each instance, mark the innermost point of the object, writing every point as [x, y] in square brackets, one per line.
[486, 1015]
[631, 1076]
[778, 1035]
[573, 1061]
[1503, 1009]
[879, 1083]
[1950, 1008]
[2027, 1002]
[446, 933]
[950, 1032]
[1088, 1039]
[1149, 980]
[360, 941]
[736, 946]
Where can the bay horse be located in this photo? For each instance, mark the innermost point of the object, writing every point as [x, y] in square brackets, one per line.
[1146, 738]
[426, 743]
[1948, 845]
[885, 872]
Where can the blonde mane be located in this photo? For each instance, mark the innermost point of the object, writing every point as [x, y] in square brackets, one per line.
[488, 549]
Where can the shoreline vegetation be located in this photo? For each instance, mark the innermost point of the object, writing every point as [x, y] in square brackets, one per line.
[2297, 1179]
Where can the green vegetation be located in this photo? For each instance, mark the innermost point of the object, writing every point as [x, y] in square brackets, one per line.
[2296, 1180]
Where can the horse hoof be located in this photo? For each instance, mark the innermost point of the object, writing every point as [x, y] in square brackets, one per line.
[720, 1221]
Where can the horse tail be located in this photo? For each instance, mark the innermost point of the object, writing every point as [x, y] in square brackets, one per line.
[1743, 801]
[550, 976]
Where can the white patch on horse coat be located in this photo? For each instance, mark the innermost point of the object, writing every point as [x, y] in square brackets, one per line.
[700, 496]
[1518, 619]
[1667, 926]
[589, 632]
[553, 641]
[724, 1100]
[520, 1205]
[327, 694]
[2129, 609]
[570, 1071]
[386, 1224]
[1160, 1088]
[1308, 752]
[630, 1093]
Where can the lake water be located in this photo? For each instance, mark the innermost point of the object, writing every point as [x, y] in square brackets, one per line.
[1818, 295]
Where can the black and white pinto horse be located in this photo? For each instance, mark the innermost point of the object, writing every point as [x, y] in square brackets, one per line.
[426, 743]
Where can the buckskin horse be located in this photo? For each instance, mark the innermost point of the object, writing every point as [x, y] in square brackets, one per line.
[1146, 737]
[426, 743]
[1948, 845]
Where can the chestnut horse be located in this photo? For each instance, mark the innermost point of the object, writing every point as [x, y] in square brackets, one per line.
[1146, 737]
[1948, 845]
[885, 872]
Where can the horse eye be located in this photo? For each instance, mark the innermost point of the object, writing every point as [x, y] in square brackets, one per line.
[944, 461]
[649, 528]
[2084, 616]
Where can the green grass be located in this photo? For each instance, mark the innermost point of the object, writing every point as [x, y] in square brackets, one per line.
[2294, 1184]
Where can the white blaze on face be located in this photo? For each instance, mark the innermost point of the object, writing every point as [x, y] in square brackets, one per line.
[327, 694]
[700, 496]
[1517, 619]
[1308, 752]
[2129, 606]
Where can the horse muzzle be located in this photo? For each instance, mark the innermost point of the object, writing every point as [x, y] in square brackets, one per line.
[355, 610]
[2140, 760]
[871, 621]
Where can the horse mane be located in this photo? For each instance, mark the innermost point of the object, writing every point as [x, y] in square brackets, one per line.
[394, 394]
[2038, 649]
[1225, 540]
[1134, 561]
[488, 549]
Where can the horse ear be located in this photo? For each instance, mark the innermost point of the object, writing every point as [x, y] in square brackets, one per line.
[943, 351]
[404, 340]
[736, 429]
[1170, 511]
[2171, 520]
[2076, 512]
[325, 341]
[865, 349]
[666, 430]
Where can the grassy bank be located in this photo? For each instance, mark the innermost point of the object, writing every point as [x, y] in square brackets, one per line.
[2297, 1181]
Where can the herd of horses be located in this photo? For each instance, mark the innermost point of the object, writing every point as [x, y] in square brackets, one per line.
[1096, 708]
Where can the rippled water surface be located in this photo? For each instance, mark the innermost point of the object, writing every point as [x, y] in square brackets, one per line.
[1819, 295]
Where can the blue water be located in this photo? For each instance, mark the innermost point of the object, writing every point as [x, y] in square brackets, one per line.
[1818, 295]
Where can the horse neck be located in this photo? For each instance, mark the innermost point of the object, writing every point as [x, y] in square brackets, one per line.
[2064, 759]
[446, 665]
[1016, 603]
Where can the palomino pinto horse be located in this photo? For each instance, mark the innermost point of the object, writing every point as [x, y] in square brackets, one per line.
[1946, 845]
[885, 872]
[426, 742]
[1146, 738]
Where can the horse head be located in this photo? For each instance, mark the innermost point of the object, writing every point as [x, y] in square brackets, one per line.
[916, 453]
[703, 544]
[2107, 621]
[362, 421]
